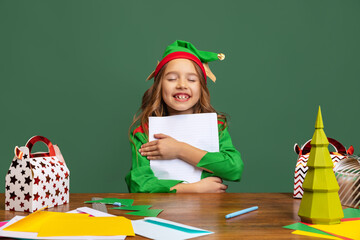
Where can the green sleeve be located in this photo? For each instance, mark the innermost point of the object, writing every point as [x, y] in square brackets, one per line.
[226, 163]
[141, 178]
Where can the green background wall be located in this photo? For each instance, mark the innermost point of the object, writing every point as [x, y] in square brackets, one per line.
[74, 71]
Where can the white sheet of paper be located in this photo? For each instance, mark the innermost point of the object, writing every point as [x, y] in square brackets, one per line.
[30, 235]
[157, 232]
[199, 130]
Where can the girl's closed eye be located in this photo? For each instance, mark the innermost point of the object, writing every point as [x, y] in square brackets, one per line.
[192, 79]
[171, 78]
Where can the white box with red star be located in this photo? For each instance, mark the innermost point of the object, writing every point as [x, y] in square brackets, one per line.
[36, 180]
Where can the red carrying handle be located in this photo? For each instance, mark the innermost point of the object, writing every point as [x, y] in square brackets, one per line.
[337, 145]
[36, 139]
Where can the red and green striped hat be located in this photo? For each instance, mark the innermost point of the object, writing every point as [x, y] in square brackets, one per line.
[183, 49]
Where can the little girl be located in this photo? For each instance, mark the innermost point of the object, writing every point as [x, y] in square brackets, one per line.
[180, 88]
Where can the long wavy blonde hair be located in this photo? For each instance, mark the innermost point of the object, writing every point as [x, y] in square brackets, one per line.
[153, 104]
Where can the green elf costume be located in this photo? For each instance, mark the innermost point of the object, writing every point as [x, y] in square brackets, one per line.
[225, 164]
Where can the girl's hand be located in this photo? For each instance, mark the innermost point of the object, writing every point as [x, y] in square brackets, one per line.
[165, 147]
[211, 185]
[206, 185]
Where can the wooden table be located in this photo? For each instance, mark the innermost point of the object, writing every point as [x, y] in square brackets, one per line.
[206, 211]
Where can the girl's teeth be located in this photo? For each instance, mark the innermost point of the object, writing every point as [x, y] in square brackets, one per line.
[181, 97]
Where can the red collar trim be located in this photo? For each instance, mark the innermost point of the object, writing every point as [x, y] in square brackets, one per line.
[140, 129]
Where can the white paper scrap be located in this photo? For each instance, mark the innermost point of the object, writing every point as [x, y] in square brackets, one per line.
[93, 212]
[158, 232]
[199, 130]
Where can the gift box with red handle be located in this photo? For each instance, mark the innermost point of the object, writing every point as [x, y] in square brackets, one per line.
[36, 180]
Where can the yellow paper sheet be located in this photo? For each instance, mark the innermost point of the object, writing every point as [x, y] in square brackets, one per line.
[349, 229]
[34, 221]
[90, 226]
[310, 234]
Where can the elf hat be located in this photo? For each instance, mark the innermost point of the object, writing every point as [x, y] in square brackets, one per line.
[183, 49]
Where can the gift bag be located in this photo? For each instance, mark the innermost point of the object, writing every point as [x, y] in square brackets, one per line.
[347, 173]
[36, 180]
[301, 168]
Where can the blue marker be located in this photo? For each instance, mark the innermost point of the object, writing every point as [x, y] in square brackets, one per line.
[234, 214]
[117, 204]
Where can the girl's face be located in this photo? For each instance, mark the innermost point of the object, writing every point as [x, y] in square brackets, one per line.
[180, 86]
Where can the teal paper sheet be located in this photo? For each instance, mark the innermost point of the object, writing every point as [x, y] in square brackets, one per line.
[168, 225]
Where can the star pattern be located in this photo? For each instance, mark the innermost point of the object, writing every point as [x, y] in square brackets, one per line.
[48, 178]
[25, 156]
[47, 194]
[57, 177]
[36, 180]
[7, 187]
[13, 179]
[13, 196]
[36, 196]
[43, 165]
[23, 172]
[28, 180]
[22, 188]
[57, 191]
[22, 205]
[15, 163]
[27, 196]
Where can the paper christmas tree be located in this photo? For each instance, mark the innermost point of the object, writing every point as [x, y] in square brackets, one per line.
[320, 203]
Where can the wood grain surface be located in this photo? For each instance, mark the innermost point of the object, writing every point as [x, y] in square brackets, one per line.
[205, 211]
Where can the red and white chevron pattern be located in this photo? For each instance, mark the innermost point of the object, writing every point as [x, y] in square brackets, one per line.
[301, 169]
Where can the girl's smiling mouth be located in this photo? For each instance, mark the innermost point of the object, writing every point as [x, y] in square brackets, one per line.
[182, 97]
